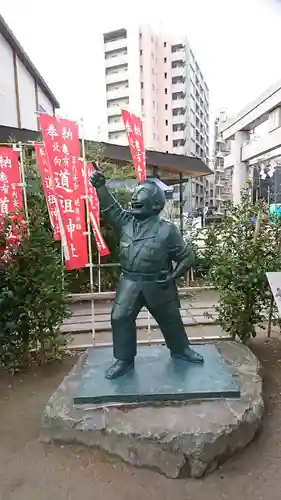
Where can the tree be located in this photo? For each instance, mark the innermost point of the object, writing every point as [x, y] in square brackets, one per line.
[241, 249]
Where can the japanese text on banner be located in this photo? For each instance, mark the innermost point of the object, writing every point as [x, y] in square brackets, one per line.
[43, 165]
[11, 199]
[62, 151]
[94, 213]
[134, 129]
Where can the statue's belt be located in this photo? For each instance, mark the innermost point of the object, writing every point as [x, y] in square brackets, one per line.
[141, 277]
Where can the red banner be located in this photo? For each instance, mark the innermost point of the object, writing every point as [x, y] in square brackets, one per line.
[134, 129]
[94, 212]
[10, 183]
[62, 152]
[43, 165]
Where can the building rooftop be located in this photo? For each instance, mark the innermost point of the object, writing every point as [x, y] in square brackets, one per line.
[9, 36]
[187, 166]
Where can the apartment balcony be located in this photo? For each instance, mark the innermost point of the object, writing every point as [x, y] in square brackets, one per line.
[220, 198]
[115, 127]
[178, 98]
[118, 76]
[221, 154]
[179, 71]
[219, 139]
[117, 94]
[179, 55]
[219, 184]
[114, 111]
[120, 43]
[116, 60]
[178, 87]
[179, 134]
[179, 119]
[219, 169]
[179, 150]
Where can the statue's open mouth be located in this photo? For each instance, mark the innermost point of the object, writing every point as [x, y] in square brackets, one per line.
[137, 205]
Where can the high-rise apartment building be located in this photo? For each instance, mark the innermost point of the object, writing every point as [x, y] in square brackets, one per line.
[159, 78]
[222, 176]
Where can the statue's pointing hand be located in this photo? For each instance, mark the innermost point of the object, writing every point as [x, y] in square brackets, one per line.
[97, 177]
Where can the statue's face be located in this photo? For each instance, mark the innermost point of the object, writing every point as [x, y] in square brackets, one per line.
[142, 202]
[145, 201]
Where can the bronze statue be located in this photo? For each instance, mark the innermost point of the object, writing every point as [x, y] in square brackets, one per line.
[148, 247]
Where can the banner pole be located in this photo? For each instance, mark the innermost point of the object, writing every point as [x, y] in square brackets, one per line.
[21, 163]
[88, 232]
[99, 273]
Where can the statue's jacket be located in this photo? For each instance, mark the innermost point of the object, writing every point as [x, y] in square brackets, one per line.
[148, 249]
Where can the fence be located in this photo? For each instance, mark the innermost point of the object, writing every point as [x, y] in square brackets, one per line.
[194, 314]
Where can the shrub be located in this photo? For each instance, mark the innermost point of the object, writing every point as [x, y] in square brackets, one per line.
[33, 300]
[241, 249]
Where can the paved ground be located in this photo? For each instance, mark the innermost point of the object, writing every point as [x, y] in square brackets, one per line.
[30, 470]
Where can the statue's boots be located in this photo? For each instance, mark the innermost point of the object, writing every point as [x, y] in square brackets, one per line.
[119, 368]
[189, 355]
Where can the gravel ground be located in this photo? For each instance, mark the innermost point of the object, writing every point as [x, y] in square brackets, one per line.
[31, 470]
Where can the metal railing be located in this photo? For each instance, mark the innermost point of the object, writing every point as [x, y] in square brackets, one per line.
[147, 329]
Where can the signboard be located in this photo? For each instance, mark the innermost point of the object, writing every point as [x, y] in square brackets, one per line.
[274, 280]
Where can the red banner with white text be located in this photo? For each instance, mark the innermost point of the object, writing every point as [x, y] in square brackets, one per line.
[43, 165]
[94, 212]
[63, 151]
[11, 199]
[134, 129]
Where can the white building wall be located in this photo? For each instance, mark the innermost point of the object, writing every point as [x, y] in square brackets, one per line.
[134, 70]
[27, 98]
[8, 109]
[44, 101]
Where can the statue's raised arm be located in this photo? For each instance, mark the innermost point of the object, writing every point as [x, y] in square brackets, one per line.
[110, 207]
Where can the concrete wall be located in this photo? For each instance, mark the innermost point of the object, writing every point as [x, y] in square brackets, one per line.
[8, 110]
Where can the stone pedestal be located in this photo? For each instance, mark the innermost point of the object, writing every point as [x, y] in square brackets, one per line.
[178, 423]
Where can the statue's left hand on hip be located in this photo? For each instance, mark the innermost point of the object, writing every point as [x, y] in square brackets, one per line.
[165, 279]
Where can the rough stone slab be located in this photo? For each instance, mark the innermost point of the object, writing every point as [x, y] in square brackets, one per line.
[193, 438]
[156, 377]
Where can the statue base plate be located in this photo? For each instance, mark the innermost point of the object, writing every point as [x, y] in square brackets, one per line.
[156, 377]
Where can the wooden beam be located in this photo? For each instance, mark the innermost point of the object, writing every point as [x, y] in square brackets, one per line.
[17, 88]
[37, 103]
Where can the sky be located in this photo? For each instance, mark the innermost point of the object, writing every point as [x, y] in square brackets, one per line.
[237, 44]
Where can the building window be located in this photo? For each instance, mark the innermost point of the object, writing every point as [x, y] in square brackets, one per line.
[166, 91]
[141, 52]
[141, 68]
[142, 102]
[165, 44]
[166, 107]
[165, 59]
[167, 137]
[165, 75]
[166, 122]
[141, 85]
